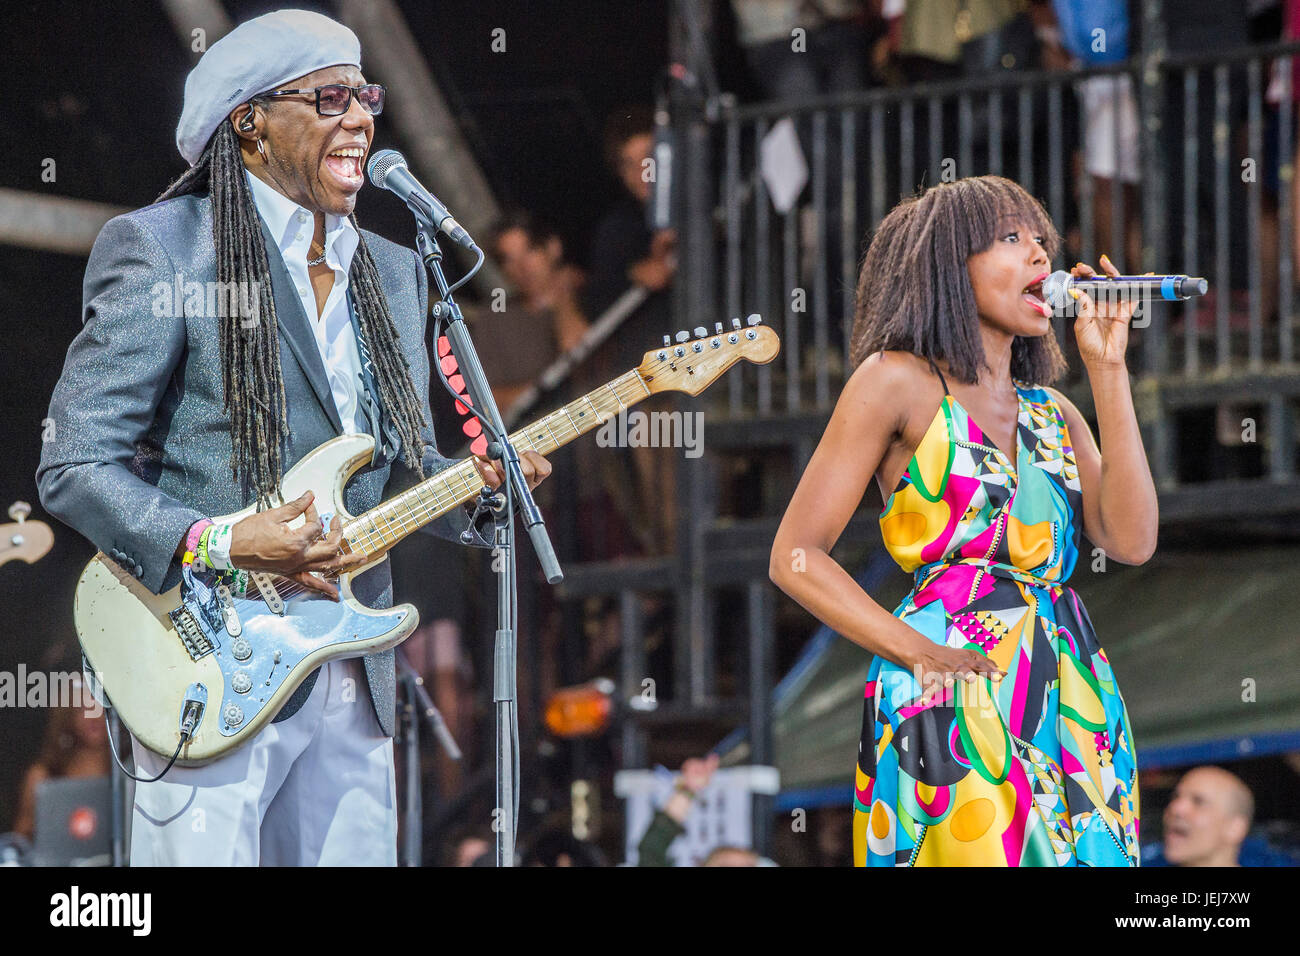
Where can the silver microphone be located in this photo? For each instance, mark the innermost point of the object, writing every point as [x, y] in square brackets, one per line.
[1057, 286]
[388, 170]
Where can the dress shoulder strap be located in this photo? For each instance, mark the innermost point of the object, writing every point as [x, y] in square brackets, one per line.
[943, 380]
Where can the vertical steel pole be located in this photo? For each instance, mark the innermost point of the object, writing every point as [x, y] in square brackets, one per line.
[1155, 223]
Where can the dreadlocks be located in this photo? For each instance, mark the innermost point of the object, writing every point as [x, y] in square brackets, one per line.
[251, 350]
[914, 292]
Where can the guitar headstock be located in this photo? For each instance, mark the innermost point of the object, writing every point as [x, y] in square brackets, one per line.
[692, 363]
[29, 540]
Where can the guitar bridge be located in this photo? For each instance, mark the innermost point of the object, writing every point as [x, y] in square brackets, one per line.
[190, 631]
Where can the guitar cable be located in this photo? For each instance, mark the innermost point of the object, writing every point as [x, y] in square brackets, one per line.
[188, 721]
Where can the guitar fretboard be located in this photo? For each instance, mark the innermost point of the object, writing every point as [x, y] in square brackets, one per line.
[384, 525]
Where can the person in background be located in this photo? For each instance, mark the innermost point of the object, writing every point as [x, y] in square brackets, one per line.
[626, 252]
[732, 856]
[1096, 33]
[472, 847]
[829, 56]
[669, 821]
[937, 40]
[75, 745]
[1208, 818]
[543, 318]
[933, 41]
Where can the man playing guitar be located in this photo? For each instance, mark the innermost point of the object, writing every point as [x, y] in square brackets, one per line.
[163, 401]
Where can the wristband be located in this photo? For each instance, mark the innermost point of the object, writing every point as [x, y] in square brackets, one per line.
[201, 560]
[196, 531]
[218, 546]
[192, 539]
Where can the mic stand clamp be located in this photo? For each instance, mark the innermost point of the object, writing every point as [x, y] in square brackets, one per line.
[490, 501]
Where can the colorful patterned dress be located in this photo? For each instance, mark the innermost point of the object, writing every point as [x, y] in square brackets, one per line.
[1039, 769]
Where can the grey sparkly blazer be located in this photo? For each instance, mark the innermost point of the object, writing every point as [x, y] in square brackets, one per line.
[141, 446]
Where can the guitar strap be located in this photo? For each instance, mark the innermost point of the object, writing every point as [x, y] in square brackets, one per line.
[388, 442]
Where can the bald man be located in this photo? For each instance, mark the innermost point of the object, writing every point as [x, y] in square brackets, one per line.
[1208, 818]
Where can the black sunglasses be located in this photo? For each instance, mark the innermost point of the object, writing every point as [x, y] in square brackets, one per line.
[335, 99]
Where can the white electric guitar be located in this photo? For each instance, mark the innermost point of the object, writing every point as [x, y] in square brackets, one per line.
[224, 661]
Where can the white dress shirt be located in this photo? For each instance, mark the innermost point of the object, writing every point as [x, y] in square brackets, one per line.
[293, 226]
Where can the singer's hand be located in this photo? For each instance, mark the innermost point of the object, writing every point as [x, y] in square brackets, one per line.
[531, 463]
[1101, 330]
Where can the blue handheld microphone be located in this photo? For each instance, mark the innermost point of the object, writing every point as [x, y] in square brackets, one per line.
[1057, 286]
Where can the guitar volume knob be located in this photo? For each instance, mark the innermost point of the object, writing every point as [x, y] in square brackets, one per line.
[241, 649]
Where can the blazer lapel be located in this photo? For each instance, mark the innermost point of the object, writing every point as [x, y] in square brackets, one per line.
[297, 330]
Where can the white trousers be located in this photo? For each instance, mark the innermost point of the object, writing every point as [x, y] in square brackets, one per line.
[316, 789]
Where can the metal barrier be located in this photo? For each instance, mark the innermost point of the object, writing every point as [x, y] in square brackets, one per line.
[1216, 172]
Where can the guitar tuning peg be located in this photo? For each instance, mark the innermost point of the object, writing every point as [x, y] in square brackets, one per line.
[717, 328]
[19, 510]
[701, 331]
[754, 319]
[735, 323]
[683, 336]
[668, 340]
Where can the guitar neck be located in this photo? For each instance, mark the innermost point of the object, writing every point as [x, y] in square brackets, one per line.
[384, 525]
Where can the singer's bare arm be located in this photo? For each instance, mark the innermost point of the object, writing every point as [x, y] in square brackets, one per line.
[1120, 512]
[881, 410]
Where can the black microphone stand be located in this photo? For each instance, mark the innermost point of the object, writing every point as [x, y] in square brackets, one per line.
[416, 703]
[501, 507]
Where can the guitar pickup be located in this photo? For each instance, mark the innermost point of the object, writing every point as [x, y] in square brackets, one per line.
[269, 594]
[228, 613]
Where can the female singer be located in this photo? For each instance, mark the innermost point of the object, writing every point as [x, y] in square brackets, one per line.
[994, 731]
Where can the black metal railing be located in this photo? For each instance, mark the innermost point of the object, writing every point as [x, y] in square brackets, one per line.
[1220, 205]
